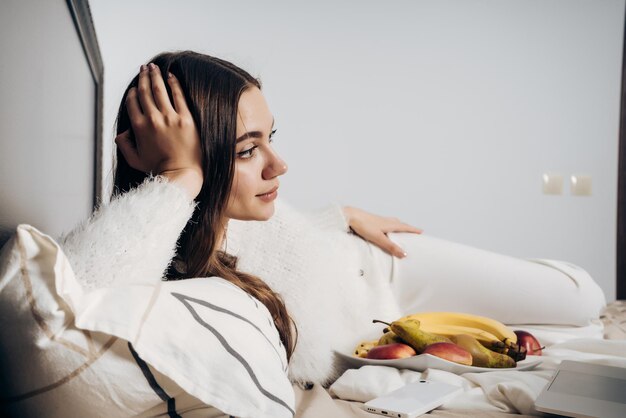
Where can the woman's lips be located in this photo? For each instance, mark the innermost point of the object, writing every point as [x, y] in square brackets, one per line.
[269, 196]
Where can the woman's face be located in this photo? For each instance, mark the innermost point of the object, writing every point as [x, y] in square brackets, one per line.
[257, 166]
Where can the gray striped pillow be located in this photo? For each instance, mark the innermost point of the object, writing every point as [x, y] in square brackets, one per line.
[131, 349]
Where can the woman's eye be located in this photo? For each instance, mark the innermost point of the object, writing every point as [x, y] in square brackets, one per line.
[272, 136]
[249, 153]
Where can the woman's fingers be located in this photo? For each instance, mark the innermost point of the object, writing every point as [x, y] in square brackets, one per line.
[387, 245]
[161, 99]
[125, 144]
[397, 226]
[164, 140]
[180, 104]
[144, 91]
[132, 105]
[374, 229]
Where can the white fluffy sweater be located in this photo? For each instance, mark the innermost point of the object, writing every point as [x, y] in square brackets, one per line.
[330, 286]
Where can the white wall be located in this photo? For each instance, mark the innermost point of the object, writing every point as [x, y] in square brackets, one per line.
[445, 113]
[46, 119]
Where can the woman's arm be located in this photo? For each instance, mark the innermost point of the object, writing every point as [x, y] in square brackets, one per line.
[374, 228]
[133, 238]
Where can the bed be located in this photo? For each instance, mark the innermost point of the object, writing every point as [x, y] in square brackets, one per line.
[103, 354]
[131, 345]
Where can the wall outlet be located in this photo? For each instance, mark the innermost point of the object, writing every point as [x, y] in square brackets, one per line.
[580, 185]
[552, 183]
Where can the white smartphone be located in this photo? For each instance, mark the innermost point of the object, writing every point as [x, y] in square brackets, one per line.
[412, 400]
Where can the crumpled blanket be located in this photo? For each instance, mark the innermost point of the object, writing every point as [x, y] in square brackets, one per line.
[506, 391]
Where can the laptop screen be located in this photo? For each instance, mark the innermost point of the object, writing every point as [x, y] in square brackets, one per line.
[589, 385]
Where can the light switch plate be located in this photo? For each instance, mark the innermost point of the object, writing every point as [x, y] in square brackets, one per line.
[580, 185]
[552, 183]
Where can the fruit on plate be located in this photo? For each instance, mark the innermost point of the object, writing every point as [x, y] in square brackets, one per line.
[409, 331]
[450, 352]
[391, 351]
[528, 341]
[481, 355]
[390, 337]
[364, 347]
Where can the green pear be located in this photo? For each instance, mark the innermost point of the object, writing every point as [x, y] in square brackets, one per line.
[390, 337]
[409, 331]
[481, 355]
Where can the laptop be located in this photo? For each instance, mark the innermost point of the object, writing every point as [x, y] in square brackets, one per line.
[586, 390]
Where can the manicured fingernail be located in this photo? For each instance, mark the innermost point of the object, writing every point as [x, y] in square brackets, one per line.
[169, 75]
[143, 68]
[401, 254]
[151, 66]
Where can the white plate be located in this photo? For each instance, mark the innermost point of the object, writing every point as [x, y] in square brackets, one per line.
[422, 362]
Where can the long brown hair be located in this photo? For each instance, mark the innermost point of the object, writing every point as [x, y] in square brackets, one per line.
[212, 88]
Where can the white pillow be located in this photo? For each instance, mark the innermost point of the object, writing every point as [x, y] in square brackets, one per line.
[66, 352]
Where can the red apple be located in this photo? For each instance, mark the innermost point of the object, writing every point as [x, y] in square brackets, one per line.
[391, 351]
[527, 340]
[450, 352]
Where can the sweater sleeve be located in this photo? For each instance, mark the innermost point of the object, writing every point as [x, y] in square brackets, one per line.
[133, 237]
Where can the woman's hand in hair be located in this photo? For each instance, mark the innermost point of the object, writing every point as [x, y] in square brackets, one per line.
[374, 228]
[166, 140]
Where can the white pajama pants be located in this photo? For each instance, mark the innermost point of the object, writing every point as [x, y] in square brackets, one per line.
[439, 275]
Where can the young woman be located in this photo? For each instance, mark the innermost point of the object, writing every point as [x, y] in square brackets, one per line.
[203, 124]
